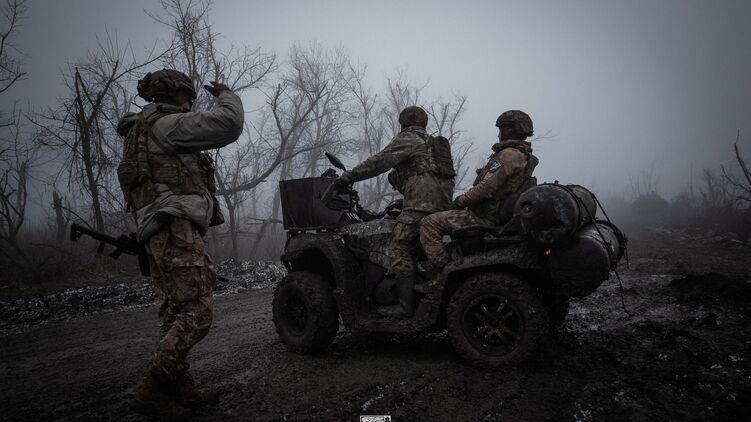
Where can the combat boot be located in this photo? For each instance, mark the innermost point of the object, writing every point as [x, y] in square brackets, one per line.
[154, 398]
[433, 282]
[405, 288]
[187, 395]
[431, 285]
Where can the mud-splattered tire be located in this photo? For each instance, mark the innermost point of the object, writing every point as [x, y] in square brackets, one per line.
[496, 319]
[305, 313]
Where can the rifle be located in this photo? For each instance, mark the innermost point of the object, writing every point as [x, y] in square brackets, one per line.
[123, 244]
[127, 244]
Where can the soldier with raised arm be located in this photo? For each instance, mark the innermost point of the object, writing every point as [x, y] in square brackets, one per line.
[168, 184]
[422, 170]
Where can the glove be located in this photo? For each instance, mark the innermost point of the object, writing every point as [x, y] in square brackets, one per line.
[216, 88]
[458, 203]
[341, 182]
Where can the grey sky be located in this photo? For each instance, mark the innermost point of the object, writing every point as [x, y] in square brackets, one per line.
[619, 85]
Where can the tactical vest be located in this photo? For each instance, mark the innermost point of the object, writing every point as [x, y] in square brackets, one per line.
[493, 209]
[140, 169]
[438, 161]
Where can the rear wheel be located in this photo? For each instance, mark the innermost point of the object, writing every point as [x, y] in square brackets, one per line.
[305, 313]
[496, 319]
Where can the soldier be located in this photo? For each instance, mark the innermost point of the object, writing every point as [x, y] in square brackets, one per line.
[169, 186]
[424, 173]
[508, 171]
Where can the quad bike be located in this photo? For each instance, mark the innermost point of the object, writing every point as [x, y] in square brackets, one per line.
[503, 290]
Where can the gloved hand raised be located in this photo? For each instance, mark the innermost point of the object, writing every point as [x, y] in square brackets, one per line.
[216, 88]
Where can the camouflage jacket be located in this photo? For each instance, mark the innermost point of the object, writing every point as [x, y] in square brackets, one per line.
[508, 168]
[410, 156]
[182, 133]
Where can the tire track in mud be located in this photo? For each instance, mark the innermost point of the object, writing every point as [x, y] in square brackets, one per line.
[86, 367]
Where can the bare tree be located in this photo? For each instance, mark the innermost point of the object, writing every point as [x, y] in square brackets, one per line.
[647, 183]
[15, 156]
[194, 50]
[82, 128]
[371, 135]
[446, 117]
[16, 160]
[315, 101]
[62, 216]
[328, 71]
[741, 183]
[290, 107]
[283, 120]
[716, 192]
[12, 12]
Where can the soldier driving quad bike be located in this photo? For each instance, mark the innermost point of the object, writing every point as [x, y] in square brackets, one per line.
[503, 289]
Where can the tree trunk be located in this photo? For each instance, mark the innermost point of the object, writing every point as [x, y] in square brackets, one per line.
[233, 230]
[61, 223]
[85, 128]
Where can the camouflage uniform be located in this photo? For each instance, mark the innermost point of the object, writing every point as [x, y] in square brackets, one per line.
[183, 275]
[172, 225]
[510, 166]
[425, 191]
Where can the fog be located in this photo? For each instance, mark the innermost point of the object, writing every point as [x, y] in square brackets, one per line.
[614, 88]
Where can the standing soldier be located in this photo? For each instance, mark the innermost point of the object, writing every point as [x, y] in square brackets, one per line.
[423, 172]
[508, 171]
[169, 185]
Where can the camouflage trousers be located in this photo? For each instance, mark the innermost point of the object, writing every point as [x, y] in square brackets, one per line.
[405, 239]
[435, 226]
[184, 276]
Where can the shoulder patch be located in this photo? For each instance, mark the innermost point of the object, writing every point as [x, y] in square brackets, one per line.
[497, 165]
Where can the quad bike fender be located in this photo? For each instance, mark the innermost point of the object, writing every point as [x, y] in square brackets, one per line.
[512, 259]
[520, 256]
[326, 254]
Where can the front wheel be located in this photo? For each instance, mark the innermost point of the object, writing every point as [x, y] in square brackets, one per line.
[496, 319]
[305, 313]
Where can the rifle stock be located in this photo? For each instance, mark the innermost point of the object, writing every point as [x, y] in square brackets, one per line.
[124, 244]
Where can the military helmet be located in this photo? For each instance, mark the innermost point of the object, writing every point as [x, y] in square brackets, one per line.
[413, 116]
[165, 82]
[520, 120]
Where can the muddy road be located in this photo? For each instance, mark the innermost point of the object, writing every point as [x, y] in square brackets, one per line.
[681, 354]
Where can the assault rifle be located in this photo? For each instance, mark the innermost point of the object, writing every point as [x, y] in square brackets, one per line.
[127, 244]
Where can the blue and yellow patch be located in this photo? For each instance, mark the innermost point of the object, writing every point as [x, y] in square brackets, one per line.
[495, 166]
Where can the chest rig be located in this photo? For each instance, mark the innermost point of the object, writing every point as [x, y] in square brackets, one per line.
[141, 169]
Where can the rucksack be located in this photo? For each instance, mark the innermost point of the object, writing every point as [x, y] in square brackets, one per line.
[444, 163]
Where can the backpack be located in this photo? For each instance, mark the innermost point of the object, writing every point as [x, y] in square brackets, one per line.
[438, 162]
[442, 160]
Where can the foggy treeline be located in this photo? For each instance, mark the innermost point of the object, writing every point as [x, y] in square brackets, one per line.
[717, 199]
[299, 104]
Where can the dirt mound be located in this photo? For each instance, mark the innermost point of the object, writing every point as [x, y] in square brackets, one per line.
[248, 275]
[712, 288]
[72, 303]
